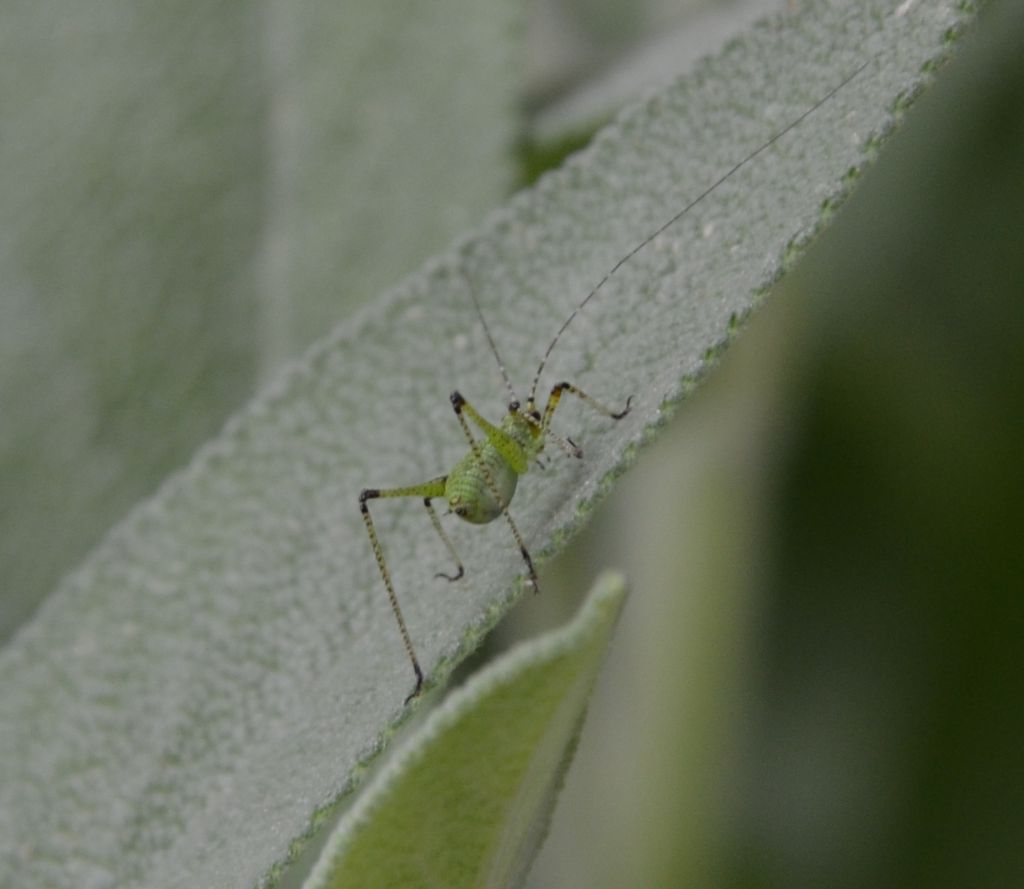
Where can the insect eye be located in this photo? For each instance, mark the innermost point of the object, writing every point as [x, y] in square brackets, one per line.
[535, 415]
[513, 406]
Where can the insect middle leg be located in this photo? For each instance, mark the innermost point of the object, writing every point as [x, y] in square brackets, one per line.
[428, 491]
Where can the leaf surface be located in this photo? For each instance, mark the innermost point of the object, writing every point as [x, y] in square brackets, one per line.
[219, 670]
[465, 803]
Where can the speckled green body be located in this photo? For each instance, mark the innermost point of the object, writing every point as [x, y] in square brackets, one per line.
[481, 485]
[469, 492]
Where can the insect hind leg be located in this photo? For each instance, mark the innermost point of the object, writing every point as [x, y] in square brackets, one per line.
[427, 490]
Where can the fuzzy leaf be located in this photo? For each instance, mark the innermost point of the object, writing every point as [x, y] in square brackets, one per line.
[191, 193]
[465, 803]
[218, 672]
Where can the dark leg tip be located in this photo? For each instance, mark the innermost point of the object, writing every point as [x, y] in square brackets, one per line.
[451, 577]
[457, 400]
[625, 410]
[419, 684]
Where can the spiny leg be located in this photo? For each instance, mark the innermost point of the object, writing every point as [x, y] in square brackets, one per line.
[447, 542]
[428, 490]
[517, 461]
[566, 444]
[556, 396]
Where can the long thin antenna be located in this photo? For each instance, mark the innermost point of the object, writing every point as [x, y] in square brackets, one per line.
[735, 169]
[490, 340]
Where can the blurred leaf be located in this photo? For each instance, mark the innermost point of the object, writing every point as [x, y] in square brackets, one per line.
[216, 675]
[190, 193]
[672, 45]
[467, 800]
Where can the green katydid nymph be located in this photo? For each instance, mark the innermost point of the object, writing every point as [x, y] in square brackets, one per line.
[481, 485]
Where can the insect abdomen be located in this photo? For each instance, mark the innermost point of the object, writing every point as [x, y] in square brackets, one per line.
[469, 492]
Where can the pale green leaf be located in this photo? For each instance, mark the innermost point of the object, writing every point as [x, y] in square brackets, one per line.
[216, 674]
[466, 801]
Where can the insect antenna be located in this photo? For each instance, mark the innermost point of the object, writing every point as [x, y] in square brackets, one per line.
[693, 203]
[490, 341]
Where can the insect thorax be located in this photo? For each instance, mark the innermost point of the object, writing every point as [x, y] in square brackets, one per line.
[527, 434]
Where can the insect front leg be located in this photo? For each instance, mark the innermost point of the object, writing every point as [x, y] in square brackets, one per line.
[513, 454]
[556, 395]
[428, 491]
